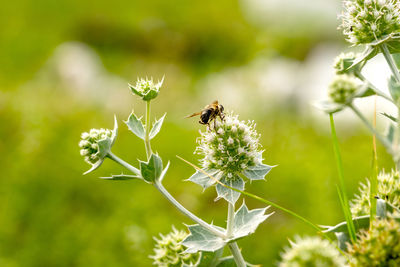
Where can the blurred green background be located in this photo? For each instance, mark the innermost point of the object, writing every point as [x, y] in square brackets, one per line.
[64, 68]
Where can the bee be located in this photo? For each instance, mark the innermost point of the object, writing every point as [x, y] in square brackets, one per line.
[210, 113]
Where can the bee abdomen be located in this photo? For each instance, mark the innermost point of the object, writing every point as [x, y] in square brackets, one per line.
[205, 115]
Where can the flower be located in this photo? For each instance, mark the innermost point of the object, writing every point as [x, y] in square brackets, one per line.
[343, 88]
[146, 88]
[367, 21]
[344, 61]
[388, 189]
[230, 148]
[313, 252]
[89, 144]
[170, 252]
[379, 246]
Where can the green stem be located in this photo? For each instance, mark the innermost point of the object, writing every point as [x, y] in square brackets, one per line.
[342, 190]
[384, 142]
[123, 163]
[359, 75]
[182, 209]
[229, 222]
[390, 61]
[237, 255]
[147, 135]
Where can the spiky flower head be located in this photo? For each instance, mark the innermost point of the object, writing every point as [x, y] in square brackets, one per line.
[388, 190]
[231, 147]
[312, 252]
[367, 21]
[343, 89]
[146, 88]
[170, 252]
[377, 247]
[89, 144]
[344, 61]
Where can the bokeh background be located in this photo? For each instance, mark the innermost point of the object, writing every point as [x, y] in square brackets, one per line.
[64, 68]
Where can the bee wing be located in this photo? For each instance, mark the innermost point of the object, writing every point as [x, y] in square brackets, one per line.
[194, 114]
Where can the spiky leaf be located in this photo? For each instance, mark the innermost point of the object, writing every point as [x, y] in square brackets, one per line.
[228, 194]
[135, 125]
[257, 172]
[200, 239]
[156, 127]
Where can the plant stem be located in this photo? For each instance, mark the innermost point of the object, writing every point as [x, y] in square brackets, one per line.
[229, 222]
[372, 129]
[342, 190]
[123, 163]
[359, 75]
[374, 174]
[147, 135]
[237, 255]
[390, 61]
[182, 209]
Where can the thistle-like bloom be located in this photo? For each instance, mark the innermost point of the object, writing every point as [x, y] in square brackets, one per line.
[170, 252]
[89, 144]
[388, 190]
[379, 246]
[344, 61]
[343, 89]
[231, 147]
[146, 88]
[367, 21]
[313, 252]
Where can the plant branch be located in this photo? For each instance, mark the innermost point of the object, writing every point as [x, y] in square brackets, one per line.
[360, 76]
[182, 209]
[147, 135]
[237, 255]
[390, 61]
[123, 163]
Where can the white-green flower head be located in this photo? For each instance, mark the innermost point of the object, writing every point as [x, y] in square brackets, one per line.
[146, 88]
[344, 63]
[313, 252]
[89, 144]
[169, 251]
[388, 190]
[367, 21]
[343, 88]
[96, 144]
[232, 147]
[379, 246]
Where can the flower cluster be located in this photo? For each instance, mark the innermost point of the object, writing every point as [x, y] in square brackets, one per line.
[344, 61]
[170, 252]
[343, 88]
[89, 144]
[311, 251]
[388, 190]
[379, 246]
[146, 88]
[366, 21]
[231, 147]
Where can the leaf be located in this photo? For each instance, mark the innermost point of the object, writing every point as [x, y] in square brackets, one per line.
[390, 133]
[366, 55]
[257, 172]
[209, 258]
[120, 177]
[343, 239]
[156, 127]
[228, 194]
[227, 262]
[202, 179]
[115, 131]
[246, 222]
[329, 106]
[389, 117]
[135, 125]
[394, 88]
[104, 149]
[361, 222]
[200, 239]
[381, 208]
[152, 169]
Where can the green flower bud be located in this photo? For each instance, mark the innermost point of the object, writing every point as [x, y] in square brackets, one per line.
[89, 146]
[388, 190]
[146, 88]
[169, 250]
[344, 61]
[343, 88]
[367, 21]
[379, 246]
[232, 147]
[313, 252]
